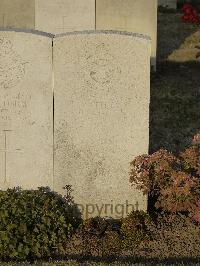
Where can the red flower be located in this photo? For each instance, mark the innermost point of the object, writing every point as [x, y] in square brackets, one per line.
[186, 6]
[188, 11]
[194, 12]
[190, 14]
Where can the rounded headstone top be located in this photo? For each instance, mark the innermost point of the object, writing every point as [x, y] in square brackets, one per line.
[36, 32]
[124, 33]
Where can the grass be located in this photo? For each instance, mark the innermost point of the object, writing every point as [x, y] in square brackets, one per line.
[175, 106]
[77, 263]
[175, 88]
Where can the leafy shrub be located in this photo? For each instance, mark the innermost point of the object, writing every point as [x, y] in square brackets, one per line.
[134, 229]
[173, 181]
[92, 232]
[34, 223]
[111, 243]
[97, 237]
[191, 160]
[95, 226]
[173, 235]
[152, 172]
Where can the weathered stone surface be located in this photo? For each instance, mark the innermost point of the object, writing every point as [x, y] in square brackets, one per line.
[101, 118]
[26, 110]
[129, 15]
[59, 16]
[17, 14]
[168, 3]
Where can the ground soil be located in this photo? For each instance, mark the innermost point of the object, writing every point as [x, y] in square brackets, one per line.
[175, 87]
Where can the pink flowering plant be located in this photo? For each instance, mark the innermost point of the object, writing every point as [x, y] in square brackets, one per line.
[174, 181]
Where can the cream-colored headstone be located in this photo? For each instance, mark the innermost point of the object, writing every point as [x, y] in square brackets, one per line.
[17, 14]
[26, 110]
[58, 16]
[129, 15]
[102, 95]
[168, 3]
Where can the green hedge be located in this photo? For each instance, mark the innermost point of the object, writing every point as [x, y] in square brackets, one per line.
[34, 223]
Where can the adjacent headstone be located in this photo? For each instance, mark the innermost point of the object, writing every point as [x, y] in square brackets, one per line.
[26, 110]
[129, 15]
[17, 14]
[59, 16]
[101, 97]
[171, 4]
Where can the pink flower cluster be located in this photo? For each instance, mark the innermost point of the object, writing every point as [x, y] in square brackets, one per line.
[191, 14]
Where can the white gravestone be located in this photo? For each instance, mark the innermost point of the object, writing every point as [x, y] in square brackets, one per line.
[58, 16]
[17, 14]
[129, 15]
[102, 95]
[26, 110]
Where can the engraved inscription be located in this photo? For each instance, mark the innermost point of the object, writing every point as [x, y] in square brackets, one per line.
[3, 20]
[106, 108]
[102, 67]
[6, 151]
[12, 68]
[62, 26]
[65, 27]
[16, 104]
